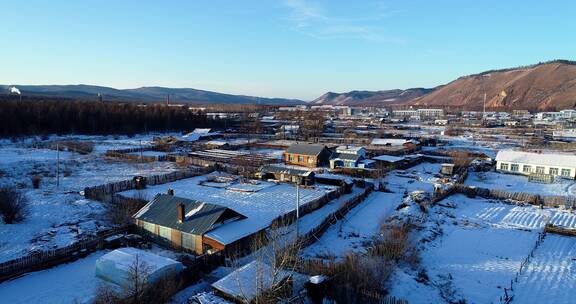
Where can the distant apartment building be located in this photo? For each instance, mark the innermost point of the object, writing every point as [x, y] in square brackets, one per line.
[527, 163]
[430, 113]
[419, 114]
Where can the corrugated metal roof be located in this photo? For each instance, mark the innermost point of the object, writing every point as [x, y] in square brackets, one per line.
[199, 217]
[346, 156]
[305, 149]
[286, 170]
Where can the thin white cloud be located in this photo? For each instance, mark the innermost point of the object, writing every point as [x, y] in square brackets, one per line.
[312, 19]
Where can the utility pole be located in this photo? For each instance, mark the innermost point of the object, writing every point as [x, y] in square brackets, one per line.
[141, 152]
[484, 110]
[57, 165]
[297, 207]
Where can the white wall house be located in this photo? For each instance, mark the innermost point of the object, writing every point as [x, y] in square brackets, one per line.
[519, 162]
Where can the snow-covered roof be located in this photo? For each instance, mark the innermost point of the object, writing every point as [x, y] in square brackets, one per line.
[392, 141]
[250, 280]
[545, 159]
[388, 158]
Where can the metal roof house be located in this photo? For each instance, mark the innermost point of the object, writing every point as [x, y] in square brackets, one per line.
[307, 155]
[347, 156]
[287, 174]
[183, 222]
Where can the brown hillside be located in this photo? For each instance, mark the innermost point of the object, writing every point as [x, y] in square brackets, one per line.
[544, 87]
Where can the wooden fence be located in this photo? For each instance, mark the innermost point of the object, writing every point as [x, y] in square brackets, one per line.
[331, 219]
[528, 198]
[46, 259]
[125, 154]
[102, 191]
[560, 230]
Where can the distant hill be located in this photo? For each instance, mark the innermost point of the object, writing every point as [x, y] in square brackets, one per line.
[550, 85]
[145, 94]
[371, 97]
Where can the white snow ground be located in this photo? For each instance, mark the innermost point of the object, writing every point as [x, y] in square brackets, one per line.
[67, 283]
[59, 216]
[520, 183]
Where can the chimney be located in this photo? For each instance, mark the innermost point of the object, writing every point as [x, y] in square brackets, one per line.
[170, 192]
[180, 212]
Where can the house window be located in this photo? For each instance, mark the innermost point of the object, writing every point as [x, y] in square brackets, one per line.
[188, 241]
[566, 172]
[504, 166]
[166, 233]
[540, 169]
[150, 227]
[553, 171]
[300, 158]
[514, 167]
[290, 157]
[310, 160]
[527, 169]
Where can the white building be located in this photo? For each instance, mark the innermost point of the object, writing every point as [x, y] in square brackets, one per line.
[566, 135]
[430, 113]
[519, 162]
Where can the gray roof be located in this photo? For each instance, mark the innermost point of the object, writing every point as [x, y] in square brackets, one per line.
[346, 156]
[199, 217]
[287, 170]
[305, 149]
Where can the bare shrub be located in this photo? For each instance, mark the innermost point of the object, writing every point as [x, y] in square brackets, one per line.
[395, 244]
[82, 147]
[13, 205]
[36, 180]
[462, 159]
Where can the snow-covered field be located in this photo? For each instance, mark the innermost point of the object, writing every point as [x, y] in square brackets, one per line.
[550, 277]
[59, 216]
[520, 183]
[472, 248]
[418, 178]
[67, 283]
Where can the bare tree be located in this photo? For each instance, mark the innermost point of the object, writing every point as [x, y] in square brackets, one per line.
[13, 205]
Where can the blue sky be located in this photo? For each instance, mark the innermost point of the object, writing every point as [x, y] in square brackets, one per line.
[286, 48]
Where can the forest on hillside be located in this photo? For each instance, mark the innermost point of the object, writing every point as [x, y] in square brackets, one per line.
[38, 116]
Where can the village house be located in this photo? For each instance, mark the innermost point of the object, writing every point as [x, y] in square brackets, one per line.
[347, 157]
[529, 163]
[287, 174]
[393, 146]
[183, 222]
[307, 155]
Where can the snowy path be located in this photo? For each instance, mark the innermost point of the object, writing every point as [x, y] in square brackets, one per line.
[358, 226]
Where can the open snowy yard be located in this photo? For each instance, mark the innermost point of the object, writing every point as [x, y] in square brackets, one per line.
[73, 282]
[551, 274]
[472, 248]
[520, 183]
[421, 177]
[58, 215]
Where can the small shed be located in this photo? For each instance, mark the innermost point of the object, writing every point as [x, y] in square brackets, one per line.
[117, 266]
[447, 169]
